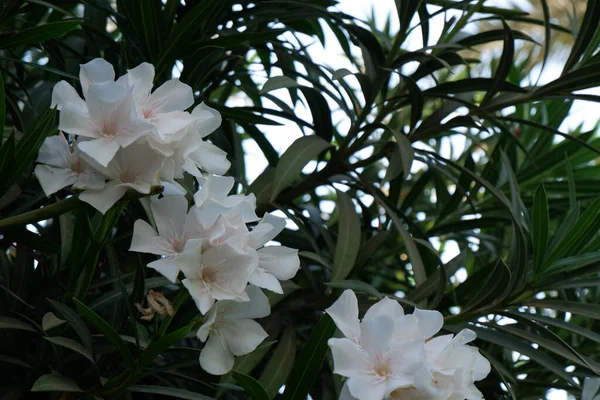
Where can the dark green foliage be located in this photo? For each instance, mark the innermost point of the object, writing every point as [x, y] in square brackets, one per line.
[520, 200]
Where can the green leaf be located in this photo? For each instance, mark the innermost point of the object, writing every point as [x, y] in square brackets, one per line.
[278, 82]
[71, 344]
[11, 323]
[39, 33]
[168, 391]
[280, 365]
[349, 236]
[251, 386]
[76, 323]
[589, 26]
[162, 344]
[294, 159]
[577, 234]
[2, 105]
[245, 364]
[50, 321]
[109, 333]
[504, 66]
[541, 221]
[310, 360]
[55, 383]
[574, 307]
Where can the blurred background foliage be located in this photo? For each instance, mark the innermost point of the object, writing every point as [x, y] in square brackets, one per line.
[438, 168]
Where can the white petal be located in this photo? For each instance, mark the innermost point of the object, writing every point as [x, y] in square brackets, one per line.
[406, 357]
[242, 335]
[168, 124]
[265, 280]
[101, 150]
[146, 240]
[208, 119]
[280, 261]
[209, 319]
[217, 187]
[367, 387]
[172, 189]
[376, 334]
[55, 152]
[97, 70]
[64, 94]
[387, 307]
[345, 315]
[104, 100]
[141, 78]
[89, 179]
[103, 200]
[167, 267]
[266, 230]
[189, 261]
[53, 179]
[210, 158]
[215, 357]
[257, 305]
[430, 322]
[172, 95]
[345, 393]
[201, 295]
[169, 213]
[75, 121]
[348, 358]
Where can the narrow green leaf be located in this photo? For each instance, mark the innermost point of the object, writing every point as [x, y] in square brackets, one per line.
[294, 159]
[278, 82]
[584, 226]
[574, 307]
[162, 344]
[541, 221]
[280, 365]
[168, 391]
[55, 383]
[11, 323]
[2, 105]
[109, 333]
[76, 323]
[349, 236]
[589, 26]
[39, 33]
[309, 361]
[71, 344]
[50, 321]
[357, 286]
[504, 65]
[251, 386]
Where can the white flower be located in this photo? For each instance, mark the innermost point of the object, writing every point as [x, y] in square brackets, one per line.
[373, 361]
[450, 370]
[213, 201]
[134, 167]
[164, 107]
[62, 166]
[275, 263]
[175, 226]
[231, 331]
[108, 115]
[446, 368]
[214, 273]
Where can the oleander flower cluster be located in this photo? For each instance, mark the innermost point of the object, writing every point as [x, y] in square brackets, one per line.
[395, 356]
[122, 135]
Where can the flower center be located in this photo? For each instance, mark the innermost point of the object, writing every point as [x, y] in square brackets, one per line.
[209, 274]
[110, 128]
[382, 366]
[128, 176]
[147, 113]
[78, 165]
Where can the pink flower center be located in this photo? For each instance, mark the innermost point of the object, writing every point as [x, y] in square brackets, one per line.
[78, 165]
[382, 366]
[209, 274]
[110, 128]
